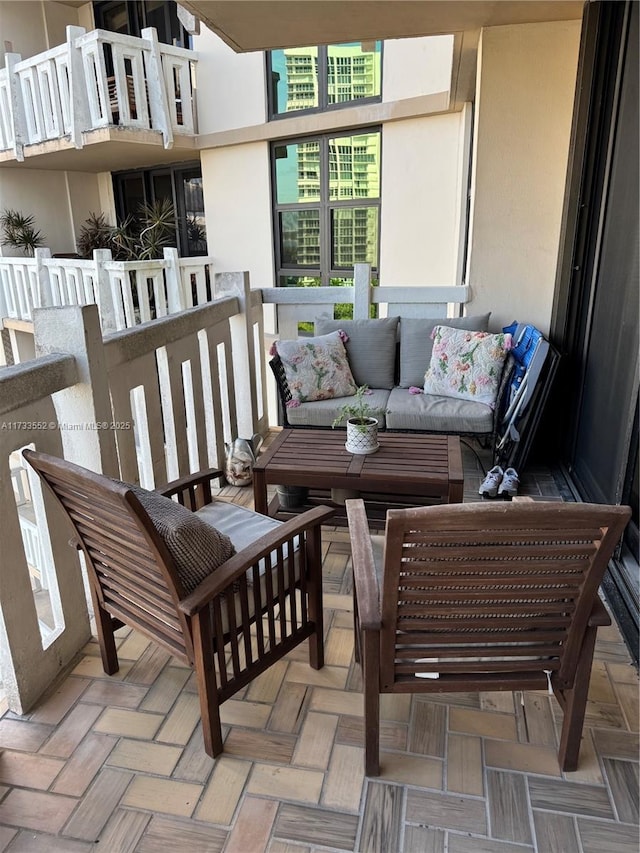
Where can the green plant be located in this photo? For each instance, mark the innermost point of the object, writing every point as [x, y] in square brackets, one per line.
[19, 231]
[358, 411]
[140, 237]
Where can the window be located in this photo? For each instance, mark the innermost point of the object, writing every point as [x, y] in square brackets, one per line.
[319, 78]
[130, 18]
[182, 185]
[327, 207]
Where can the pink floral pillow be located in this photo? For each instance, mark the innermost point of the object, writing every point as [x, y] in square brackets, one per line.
[316, 368]
[466, 365]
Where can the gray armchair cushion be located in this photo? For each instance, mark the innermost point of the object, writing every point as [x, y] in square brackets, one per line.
[416, 343]
[371, 349]
[432, 413]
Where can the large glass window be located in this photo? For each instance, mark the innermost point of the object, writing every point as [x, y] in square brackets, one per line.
[182, 186]
[318, 78]
[327, 207]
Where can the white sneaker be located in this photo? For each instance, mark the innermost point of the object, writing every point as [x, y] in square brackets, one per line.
[509, 486]
[490, 484]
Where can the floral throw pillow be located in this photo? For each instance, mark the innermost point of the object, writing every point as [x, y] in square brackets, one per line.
[316, 368]
[466, 365]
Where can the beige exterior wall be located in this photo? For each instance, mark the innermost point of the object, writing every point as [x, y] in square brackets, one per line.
[414, 67]
[231, 86]
[423, 192]
[237, 198]
[525, 90]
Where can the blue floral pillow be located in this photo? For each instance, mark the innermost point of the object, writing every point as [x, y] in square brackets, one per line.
[316, 368]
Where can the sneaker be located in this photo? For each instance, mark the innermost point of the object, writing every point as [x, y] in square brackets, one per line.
[490, 484]
[509, 486]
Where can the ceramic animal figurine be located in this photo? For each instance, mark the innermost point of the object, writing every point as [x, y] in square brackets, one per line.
[240, 456]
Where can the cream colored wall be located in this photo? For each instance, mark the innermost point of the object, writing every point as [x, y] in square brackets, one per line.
[25, 32]
[59, 206]
[58, 17]
[413, 67]
[526, 81]
[84, 198]
[237, 198]
[231, 86]
[423, 190]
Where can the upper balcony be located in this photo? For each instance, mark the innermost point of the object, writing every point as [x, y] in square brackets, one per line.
[99, 102]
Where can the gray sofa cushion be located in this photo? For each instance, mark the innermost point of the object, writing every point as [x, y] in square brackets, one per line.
[322, 413]
[430, 413]
[416, 343]
[371, 348]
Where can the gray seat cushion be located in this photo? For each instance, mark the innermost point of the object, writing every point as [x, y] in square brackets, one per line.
[322, 413]
[430, 413]
[416, 343]
[371, 348]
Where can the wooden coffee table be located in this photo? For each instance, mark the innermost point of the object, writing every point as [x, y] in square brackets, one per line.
[408, 470]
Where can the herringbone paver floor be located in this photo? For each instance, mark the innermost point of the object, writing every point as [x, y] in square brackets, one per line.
[118, 761]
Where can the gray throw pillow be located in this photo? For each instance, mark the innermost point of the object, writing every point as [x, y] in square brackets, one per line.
[416, 343]
[371, 348]
[197, 548]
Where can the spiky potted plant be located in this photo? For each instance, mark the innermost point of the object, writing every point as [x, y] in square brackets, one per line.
[19, 231]
[361, 419]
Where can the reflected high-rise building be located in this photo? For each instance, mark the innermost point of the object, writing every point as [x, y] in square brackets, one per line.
[353, 73]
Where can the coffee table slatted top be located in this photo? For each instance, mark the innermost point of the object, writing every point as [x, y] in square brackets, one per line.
[406, 464]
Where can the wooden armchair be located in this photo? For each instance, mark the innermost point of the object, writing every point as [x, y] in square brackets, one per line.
[247, 614]
[470, 597]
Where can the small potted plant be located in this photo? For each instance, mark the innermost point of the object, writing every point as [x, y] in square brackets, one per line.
[362, 422]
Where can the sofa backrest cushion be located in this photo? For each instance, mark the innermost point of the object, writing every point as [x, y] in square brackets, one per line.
[416, 343]
[371, 348]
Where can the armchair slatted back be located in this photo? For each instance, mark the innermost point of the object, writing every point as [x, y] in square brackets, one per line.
[493, 592]
[133, 576]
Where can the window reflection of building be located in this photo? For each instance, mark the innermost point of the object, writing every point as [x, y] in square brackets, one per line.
[317, 78]
[327, 192]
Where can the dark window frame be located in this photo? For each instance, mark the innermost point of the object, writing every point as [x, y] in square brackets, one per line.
[325, 271]
[176, 171]
[323, 84]
[137, 19]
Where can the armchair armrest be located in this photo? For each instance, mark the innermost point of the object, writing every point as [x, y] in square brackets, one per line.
[194, 490]
[364, 570]
[599, 615]
[224, 576]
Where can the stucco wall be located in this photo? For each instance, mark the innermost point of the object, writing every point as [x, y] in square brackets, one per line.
[52, 201]
[27, 36]
[413, 67]
[237, 198]
[423, 190]
[234, 84]
[525, 90]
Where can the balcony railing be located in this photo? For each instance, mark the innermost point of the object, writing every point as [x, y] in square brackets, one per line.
[96, 80]
[127, 292]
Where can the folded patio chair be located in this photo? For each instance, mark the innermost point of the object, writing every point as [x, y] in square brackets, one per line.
[469, 597]
[228, 606]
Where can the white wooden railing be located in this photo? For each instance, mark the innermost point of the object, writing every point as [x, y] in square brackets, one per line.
[127, 292]
[95, 80]
[146, 404]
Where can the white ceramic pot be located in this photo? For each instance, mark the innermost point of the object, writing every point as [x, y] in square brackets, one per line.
[362, 436]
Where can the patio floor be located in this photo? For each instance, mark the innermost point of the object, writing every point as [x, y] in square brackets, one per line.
[119, 760]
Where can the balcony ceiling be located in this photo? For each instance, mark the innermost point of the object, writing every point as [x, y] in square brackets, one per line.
[266, 24]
